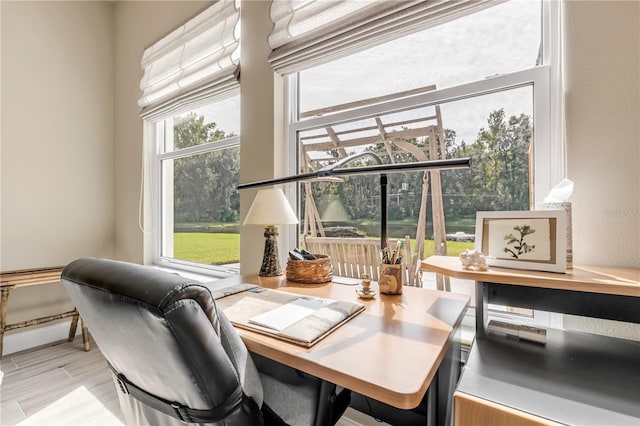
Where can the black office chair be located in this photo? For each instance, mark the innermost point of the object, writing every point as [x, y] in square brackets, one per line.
[177, 359]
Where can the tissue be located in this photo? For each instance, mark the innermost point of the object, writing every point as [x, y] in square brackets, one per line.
[558, 199]
[560, 193]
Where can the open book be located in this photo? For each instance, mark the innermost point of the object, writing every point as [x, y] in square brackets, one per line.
[288, 314]
[292, 317]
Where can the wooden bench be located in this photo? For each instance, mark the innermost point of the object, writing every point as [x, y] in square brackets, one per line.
[30, 277]
[350, 257]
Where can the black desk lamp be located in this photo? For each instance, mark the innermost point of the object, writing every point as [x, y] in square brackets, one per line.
[336, 170]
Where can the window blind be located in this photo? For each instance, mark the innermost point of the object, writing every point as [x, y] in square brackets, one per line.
[307, 33]
[194, 64]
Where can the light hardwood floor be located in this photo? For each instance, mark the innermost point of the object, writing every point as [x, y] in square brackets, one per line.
[60, 384]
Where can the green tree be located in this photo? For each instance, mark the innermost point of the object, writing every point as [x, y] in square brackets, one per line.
[500, 158]
[205, 185]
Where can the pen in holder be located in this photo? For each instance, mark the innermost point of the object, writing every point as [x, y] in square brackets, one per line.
[391, 270]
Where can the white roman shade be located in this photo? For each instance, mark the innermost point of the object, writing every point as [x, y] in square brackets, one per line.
[194, 64]
[307, 33]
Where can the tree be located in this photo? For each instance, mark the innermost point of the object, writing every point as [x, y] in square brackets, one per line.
[500, 158]
[205, 185]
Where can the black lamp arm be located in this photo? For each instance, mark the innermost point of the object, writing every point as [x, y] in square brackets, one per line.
[451, 163]
[336, 170]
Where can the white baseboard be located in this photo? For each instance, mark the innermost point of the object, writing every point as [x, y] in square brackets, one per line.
[32, 337]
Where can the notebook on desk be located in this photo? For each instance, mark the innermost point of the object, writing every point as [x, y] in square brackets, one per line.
[294, 318]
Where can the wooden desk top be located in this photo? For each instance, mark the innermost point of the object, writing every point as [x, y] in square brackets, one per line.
[593, 279]
[389, 352]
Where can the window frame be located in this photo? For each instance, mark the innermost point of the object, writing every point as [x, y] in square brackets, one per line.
[155, 132]
[548, 117]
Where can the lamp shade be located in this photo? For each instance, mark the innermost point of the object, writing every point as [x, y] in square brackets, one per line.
[270, 207]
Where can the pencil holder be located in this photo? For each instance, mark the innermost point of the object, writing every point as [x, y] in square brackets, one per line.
[391, 278]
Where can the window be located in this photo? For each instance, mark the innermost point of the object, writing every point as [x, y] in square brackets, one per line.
[197, 166]
[191, 107]
[481, 86]
[480, 82]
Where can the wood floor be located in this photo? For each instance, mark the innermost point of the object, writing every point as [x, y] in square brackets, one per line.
[60, 384]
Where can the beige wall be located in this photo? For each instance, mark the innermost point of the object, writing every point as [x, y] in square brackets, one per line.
[138, 24]
[70, 184]
[603, 135]
[71, 134]
[603, 130]
[57, 141]
[262, 141]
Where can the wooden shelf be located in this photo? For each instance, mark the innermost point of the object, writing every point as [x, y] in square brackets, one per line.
[574, 378]
[594, 279]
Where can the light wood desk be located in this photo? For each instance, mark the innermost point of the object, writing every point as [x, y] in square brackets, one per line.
[575, 378]
[390, 352]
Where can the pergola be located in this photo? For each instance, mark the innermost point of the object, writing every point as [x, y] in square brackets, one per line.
[331, 144]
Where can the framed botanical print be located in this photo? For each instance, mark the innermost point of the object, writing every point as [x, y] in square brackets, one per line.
[533, 240]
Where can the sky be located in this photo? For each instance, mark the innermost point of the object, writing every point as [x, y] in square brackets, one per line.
[500, 39]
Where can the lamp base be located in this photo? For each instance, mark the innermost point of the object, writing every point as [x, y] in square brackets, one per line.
[270, 260]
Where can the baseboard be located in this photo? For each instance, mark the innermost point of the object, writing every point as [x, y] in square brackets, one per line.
[33, 337]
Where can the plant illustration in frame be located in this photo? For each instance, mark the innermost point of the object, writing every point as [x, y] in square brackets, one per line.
[517, 246]
[534, 240]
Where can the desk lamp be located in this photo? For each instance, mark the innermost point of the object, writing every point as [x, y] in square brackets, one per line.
[336, 170]
[270, 208]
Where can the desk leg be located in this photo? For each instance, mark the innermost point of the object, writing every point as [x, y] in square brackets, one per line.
[445, 382]
[481, 308]
[3, 315]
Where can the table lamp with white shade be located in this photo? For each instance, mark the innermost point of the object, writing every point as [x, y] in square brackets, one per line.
[270, 208]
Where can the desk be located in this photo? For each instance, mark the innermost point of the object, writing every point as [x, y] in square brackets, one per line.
[575, 378]
[390, 352]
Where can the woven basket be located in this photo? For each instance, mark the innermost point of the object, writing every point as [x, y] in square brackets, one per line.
[310, 271]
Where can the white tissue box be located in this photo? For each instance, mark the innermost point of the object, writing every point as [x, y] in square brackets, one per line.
[566, 206]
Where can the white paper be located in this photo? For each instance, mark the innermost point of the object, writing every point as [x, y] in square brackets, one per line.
[290, 313]
[345, 280]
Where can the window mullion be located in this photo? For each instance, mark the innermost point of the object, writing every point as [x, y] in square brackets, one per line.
[199, 149]
[477, 88]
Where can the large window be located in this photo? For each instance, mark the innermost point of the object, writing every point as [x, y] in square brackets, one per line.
[478, 86]
[481, 86]
[197, 165]
[191, 106]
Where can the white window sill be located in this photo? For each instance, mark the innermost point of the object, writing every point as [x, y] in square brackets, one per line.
[195, 273]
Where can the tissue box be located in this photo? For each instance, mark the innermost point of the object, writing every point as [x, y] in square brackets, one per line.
[566, 206]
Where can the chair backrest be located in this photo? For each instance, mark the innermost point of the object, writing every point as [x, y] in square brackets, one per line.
[350, 257]
[163, 336]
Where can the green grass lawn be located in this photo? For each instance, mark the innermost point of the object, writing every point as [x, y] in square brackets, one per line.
[207, 248]
[220, 249]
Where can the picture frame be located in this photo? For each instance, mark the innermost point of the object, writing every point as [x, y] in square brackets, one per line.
[530, 240]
